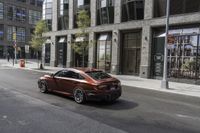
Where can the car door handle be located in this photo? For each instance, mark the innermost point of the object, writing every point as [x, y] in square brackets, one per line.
[74, 83]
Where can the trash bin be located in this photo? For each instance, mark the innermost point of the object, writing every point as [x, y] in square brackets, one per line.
[22, 63]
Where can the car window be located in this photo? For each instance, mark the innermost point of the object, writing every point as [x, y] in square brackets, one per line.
[71, 74]
[59, 74]
[98, 75]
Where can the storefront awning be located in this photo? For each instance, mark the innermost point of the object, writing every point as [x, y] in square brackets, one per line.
[186, 31]
[188, 47]
[48, 41]
[62, 40]
[104, 37]
[80, 39]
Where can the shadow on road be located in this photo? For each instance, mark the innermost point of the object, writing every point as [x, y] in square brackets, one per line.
[119, 104]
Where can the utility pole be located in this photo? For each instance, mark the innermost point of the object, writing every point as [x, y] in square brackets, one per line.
[164, 82]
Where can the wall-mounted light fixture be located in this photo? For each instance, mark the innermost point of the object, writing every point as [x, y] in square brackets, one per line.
[146, 38]
[115, 32]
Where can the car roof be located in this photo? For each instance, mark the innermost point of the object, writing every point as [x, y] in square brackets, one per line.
[82, 69]
[86, 69]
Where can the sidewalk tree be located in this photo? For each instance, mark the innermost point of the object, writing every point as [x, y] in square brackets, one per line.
[37, 40]
[81, 47]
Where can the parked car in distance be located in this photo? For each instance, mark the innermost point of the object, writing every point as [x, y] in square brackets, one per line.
[82, 84]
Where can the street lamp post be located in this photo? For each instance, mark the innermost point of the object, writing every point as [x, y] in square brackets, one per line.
[164, 82]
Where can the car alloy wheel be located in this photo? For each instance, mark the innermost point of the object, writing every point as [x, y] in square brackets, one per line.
[79, 96]
[43, 87]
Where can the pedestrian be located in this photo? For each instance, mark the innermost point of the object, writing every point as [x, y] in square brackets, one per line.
[8, 57]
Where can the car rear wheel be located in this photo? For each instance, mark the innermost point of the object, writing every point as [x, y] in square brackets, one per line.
[79, 96]
[43, 87]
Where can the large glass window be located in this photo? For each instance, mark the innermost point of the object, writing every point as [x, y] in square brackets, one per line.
[1, 11]
[83, 2]
[47, 13]
[32, 2]
[177, 7]
[81, 5]
[63, 19]
[20, 33]
[131, 53]
[132, 10]
[22, 1]
[10, 31]
[104, 50]
[105, 12]
[10, 12]
[183, 53]
[61, 47]
[20, 14]
[34, 16]
[1, 31]
[39, 3]
[16, 13]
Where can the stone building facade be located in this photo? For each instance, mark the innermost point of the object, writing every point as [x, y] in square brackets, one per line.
[18, 17]
[127, 34]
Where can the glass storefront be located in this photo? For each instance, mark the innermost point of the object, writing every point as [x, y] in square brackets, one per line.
[131, 53]
[62, 52]
[104, 50]
[176, 7]
[80, 52]
[1, 51]
[183, 54]
[47, 53]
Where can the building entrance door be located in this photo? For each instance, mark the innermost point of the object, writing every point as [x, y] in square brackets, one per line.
[62, 54]
[183, 59]
[47, 53]
[131, 53]
[104, 46]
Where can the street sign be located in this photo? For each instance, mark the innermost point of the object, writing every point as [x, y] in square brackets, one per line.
[26, 48]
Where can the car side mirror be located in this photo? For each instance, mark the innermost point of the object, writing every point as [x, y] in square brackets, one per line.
[52, 75]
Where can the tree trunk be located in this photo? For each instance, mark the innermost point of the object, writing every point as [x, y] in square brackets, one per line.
[41, 63]
[38, 59]
[83, 57]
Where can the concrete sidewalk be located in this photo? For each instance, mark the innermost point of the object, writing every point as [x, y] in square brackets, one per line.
[133, 81]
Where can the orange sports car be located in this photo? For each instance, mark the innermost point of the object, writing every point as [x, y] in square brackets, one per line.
[82, 84]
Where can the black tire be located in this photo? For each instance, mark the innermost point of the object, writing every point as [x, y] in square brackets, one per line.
[43, 87]
[79, 96]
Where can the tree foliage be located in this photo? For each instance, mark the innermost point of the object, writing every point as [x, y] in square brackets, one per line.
[37, 39]
[189, 65]
[83, 22]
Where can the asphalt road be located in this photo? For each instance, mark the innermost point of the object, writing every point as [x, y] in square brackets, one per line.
[23, 109]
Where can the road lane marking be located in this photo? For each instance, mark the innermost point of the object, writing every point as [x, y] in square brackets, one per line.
[188, 117]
